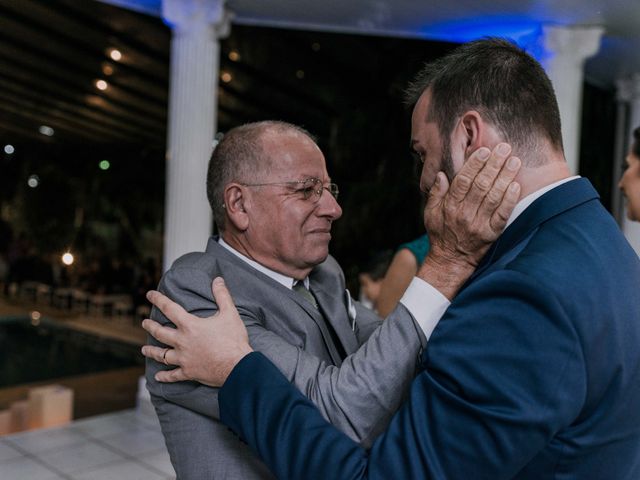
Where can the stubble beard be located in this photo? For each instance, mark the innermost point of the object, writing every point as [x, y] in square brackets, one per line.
[446, 162]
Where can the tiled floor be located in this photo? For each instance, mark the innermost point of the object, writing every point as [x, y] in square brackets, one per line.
[126, 445]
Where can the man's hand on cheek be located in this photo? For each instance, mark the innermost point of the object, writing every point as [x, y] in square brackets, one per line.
[465, 218]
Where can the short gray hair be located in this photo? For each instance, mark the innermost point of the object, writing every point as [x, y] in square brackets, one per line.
[237, 158]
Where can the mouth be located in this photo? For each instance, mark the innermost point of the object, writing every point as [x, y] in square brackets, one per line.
[322, 231]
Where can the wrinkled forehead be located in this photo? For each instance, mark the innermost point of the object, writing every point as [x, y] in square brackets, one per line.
[293, 153]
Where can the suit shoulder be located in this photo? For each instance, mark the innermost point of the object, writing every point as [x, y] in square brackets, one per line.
[196, 265]
[330, 267]
[190, 260]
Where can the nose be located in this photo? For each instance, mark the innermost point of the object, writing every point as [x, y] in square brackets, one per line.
[425, 184]
[328, 206]
[621, 182]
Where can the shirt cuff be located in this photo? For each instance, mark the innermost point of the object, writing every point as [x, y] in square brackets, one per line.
[425, 303]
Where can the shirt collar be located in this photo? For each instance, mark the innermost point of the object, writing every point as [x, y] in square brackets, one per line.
[283, 280]
[523, 204]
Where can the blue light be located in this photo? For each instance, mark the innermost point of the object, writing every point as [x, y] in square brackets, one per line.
[515, 27]
[150, 7]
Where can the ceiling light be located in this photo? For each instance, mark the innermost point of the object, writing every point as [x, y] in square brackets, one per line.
[33, 181]
[67, 258]
[8, 149]
[104, 165]
[115, 54]
[234, 56]
[300, 74]
[315, 46]
[101, 85]
[107, 69]
[226, 77]
[46, 130]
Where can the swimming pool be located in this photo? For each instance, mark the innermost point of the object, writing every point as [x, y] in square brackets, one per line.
[43, 350]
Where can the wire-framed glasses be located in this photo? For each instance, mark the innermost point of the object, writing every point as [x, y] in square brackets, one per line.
[307, 188]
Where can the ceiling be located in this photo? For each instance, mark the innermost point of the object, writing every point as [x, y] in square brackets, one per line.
[53, 52]
[455, 21]
[51, 55]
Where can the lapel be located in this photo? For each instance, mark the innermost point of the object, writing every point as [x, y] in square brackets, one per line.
[326, 304]
[320, 320]
[555, 202]
[334, 308]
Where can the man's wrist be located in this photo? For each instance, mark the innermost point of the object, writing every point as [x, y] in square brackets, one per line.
[445, 274]
[232, 361]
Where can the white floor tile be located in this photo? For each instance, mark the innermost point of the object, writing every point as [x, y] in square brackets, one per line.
[135, 442]
[37, 441]
[104, 426]
[80, 457]
[151, 421]
[159, 460]
[7, 451]
[24, 468]
[126, 470]
[125, 445]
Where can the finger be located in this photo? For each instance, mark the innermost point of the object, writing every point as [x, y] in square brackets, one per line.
[166, 335]
[437, 191]
[168, 307]
[221, 295]
[170, 376]
[486, 177]
[463, 180]
[153, 352]
[495, 195]
[499, 219]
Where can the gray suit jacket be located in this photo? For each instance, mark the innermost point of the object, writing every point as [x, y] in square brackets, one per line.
[358, 395]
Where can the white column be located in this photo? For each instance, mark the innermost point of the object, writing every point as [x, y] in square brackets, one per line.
[565, 51]
[195, 56]
[629, 90]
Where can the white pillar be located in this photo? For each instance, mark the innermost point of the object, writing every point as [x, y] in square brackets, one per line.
[566, 49]
[195, 56]
[629, 90]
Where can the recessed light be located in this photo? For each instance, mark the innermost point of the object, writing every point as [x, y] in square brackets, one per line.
[46, 130]
[115, 54]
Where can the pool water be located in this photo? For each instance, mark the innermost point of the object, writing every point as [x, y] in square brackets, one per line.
[48, 350]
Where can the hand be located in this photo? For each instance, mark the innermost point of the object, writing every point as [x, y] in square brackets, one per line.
[465, 219]
[204, 349]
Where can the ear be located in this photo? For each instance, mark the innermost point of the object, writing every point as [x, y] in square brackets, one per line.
[471, 131]
[234, 202]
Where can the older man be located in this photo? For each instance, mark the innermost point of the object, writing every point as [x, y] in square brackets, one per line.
[274, 203]
[534, 370]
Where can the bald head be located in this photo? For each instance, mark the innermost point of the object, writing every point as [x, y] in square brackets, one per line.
[242, 156]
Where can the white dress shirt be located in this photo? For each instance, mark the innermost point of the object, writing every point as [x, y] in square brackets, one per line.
[288, 282]
[426, 304]
[283, 280]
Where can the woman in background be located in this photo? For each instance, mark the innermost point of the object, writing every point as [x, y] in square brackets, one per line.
[630, 181]
[403, 268]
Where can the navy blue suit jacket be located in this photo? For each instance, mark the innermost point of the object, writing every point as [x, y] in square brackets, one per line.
[532, 373]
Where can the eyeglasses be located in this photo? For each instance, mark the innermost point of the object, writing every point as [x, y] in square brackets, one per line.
[305, 187]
